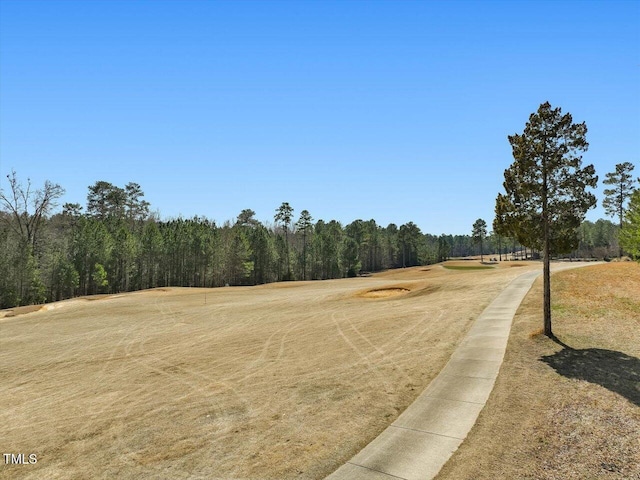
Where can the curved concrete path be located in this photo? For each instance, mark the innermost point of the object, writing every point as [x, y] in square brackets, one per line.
[422, 439]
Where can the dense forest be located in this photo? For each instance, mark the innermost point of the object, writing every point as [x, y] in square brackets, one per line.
[114, 244]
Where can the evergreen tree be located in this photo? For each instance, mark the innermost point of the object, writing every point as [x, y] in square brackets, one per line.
[444, 249]
[284, 215]
[630, 233]
[136, 209]
[106, 200]
[349, 258]
[151, 255]
[304, 225]
[479, 233]
[616, 198]
[546, 188]
[409, 236]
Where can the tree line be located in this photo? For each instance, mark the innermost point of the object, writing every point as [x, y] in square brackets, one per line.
[115, 244]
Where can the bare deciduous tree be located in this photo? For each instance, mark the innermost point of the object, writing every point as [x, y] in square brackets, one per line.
[29, 207]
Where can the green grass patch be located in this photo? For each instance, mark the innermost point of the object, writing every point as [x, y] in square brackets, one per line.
[469, 267]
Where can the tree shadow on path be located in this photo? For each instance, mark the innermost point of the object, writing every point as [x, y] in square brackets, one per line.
[615, 371]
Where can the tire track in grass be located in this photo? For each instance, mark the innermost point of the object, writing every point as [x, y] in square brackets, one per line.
[175, 369]
[363, 357]
[102, 375]
[384, 356]
[134, 332]
[159, 366]
[260, 364]
[399, 340]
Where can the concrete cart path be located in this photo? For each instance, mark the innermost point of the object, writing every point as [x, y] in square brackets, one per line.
[422, 439]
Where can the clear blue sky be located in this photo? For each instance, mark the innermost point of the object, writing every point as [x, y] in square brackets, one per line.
[393, 110]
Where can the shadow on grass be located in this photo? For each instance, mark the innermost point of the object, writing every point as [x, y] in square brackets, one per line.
[615, 371]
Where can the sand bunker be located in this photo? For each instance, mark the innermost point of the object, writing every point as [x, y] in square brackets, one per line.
[385, 292]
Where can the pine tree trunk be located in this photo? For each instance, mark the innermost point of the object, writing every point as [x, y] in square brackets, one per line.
[547, 291]
[620, 246]
[547, 255]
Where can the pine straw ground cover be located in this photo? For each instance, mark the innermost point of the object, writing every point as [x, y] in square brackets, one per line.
[568, 409]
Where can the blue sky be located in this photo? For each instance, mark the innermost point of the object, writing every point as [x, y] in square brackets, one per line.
[393, 110]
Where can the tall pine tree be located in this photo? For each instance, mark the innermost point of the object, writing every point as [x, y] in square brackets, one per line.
[546, 188]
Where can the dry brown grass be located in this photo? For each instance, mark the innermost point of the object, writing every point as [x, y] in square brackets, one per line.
[567, 411]
[271, 382]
